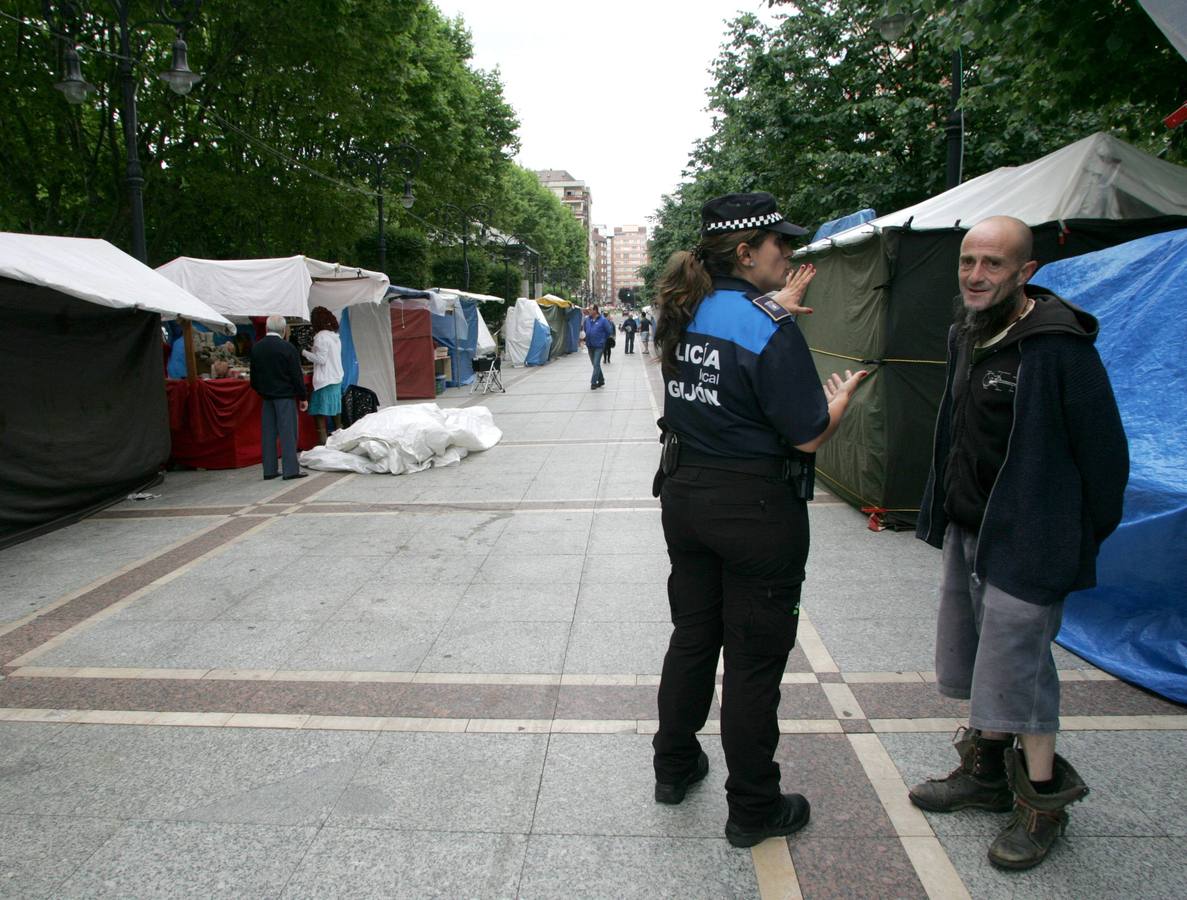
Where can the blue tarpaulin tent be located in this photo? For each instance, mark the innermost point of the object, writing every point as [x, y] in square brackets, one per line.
[1134, 623]
[457, 331]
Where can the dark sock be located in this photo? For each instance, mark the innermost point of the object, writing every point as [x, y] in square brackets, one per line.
[1044, 787]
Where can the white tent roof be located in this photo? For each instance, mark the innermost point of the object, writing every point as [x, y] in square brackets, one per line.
[1098, 177]
[287, 286]
[470, 295]
[98, 272]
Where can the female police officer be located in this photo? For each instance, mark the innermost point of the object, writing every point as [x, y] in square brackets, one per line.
[743, 411]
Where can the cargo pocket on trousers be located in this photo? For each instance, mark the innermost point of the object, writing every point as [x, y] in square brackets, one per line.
[774, 621]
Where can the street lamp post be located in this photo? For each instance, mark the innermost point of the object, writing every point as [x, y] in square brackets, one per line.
[409, 158]
[180, 14]
[467, 216]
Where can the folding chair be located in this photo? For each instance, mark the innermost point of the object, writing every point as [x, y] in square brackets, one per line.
[487, 374]
[356, 403]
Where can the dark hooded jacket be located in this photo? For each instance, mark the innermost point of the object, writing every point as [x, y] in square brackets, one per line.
[1051, 492]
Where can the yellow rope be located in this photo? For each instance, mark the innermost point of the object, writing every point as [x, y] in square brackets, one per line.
[878, 362]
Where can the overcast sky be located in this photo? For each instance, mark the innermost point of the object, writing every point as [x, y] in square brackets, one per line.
[586, 79]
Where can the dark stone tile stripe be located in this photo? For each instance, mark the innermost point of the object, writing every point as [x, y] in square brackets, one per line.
[167, 512]
[448, 701]
[826, 770]
[306, 488]
[1113, 698]
[52, 623]
[1077, 698]
[844, 868]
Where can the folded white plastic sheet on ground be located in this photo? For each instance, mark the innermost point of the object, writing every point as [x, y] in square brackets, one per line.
[400, 439]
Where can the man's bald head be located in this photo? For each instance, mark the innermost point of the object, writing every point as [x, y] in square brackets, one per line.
[994, 267]
[1009, 232]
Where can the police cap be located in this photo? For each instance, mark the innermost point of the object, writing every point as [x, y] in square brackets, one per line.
[742, 212]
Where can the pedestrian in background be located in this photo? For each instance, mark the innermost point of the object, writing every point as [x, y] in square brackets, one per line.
[277, 377]
[1027, 479]
[645, 331]
[610, 342]
[326, 356]
[628, 327]
[744, 412]
[597, 330]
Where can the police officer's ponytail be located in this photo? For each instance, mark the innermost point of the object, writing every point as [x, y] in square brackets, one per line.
[686, 280]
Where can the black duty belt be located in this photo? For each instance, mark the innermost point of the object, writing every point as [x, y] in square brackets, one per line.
[765, 467]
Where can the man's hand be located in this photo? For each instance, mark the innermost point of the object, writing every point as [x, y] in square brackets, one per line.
[790, 295]
[837, 386]
[304, 404]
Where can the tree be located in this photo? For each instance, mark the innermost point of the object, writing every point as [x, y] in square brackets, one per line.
[823, 112]
[320, 98]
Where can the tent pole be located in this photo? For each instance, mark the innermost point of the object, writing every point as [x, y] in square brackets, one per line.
[191, 363]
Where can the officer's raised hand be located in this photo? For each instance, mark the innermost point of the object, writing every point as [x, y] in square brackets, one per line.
[836, 385]
[792, 292]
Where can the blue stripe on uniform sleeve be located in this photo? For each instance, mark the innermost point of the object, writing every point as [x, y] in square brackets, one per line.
[730, 316]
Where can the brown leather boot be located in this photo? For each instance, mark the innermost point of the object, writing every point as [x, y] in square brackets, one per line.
[979, 782]
[1038, 818]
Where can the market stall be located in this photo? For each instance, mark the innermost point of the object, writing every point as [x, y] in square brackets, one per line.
[526, 335]
[85, 420]
[215, 422]
[455, 327]
[556, 313]
[412, 342]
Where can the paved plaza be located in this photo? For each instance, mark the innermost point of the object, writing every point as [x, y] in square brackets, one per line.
[443, 685]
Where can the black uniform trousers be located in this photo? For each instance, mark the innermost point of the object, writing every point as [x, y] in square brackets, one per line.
[738, 544]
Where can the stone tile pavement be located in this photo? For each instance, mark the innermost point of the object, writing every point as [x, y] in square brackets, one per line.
[443, 685]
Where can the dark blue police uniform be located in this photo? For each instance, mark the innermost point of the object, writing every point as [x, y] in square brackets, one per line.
[737, 534]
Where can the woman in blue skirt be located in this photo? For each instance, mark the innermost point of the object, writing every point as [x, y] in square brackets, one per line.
[326, 356]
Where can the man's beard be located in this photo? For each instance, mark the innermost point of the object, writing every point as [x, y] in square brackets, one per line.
[978, 325]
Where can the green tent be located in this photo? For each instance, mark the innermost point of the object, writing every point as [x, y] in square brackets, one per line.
[885, 294]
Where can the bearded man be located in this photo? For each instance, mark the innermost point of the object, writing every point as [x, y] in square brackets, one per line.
[1028, 471]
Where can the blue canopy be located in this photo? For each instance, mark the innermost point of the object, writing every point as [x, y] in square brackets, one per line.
[1134, 623]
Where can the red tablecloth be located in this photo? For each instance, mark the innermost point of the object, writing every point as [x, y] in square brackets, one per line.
[215, 423]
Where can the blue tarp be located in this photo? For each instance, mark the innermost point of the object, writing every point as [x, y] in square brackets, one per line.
[350, 359]
[1134, 623]
[540, 345]
[838, 225]
[458, 333]
[572, 329]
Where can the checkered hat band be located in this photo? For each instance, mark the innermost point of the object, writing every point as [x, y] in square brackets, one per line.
[742, 224]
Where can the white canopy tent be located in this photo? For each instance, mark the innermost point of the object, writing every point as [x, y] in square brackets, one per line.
[292, 287]
[1098, 177]
[94, 270]
[524, 320]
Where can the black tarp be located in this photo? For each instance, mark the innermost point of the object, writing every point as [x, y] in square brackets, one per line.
[83, 420]
[885, 304]
[556, 316]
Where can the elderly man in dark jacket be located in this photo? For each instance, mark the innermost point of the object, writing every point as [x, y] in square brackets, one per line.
[277, 377]
[1028, 473]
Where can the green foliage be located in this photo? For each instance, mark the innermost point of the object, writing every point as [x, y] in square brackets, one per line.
[822, 111]
[325, 82]
[448, 269]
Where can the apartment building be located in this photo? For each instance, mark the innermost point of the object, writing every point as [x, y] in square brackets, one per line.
[628, 255]
[576, 195]
[599, 266]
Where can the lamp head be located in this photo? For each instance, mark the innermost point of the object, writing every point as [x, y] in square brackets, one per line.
[409, 198]
[73, 85]
[179, 77]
